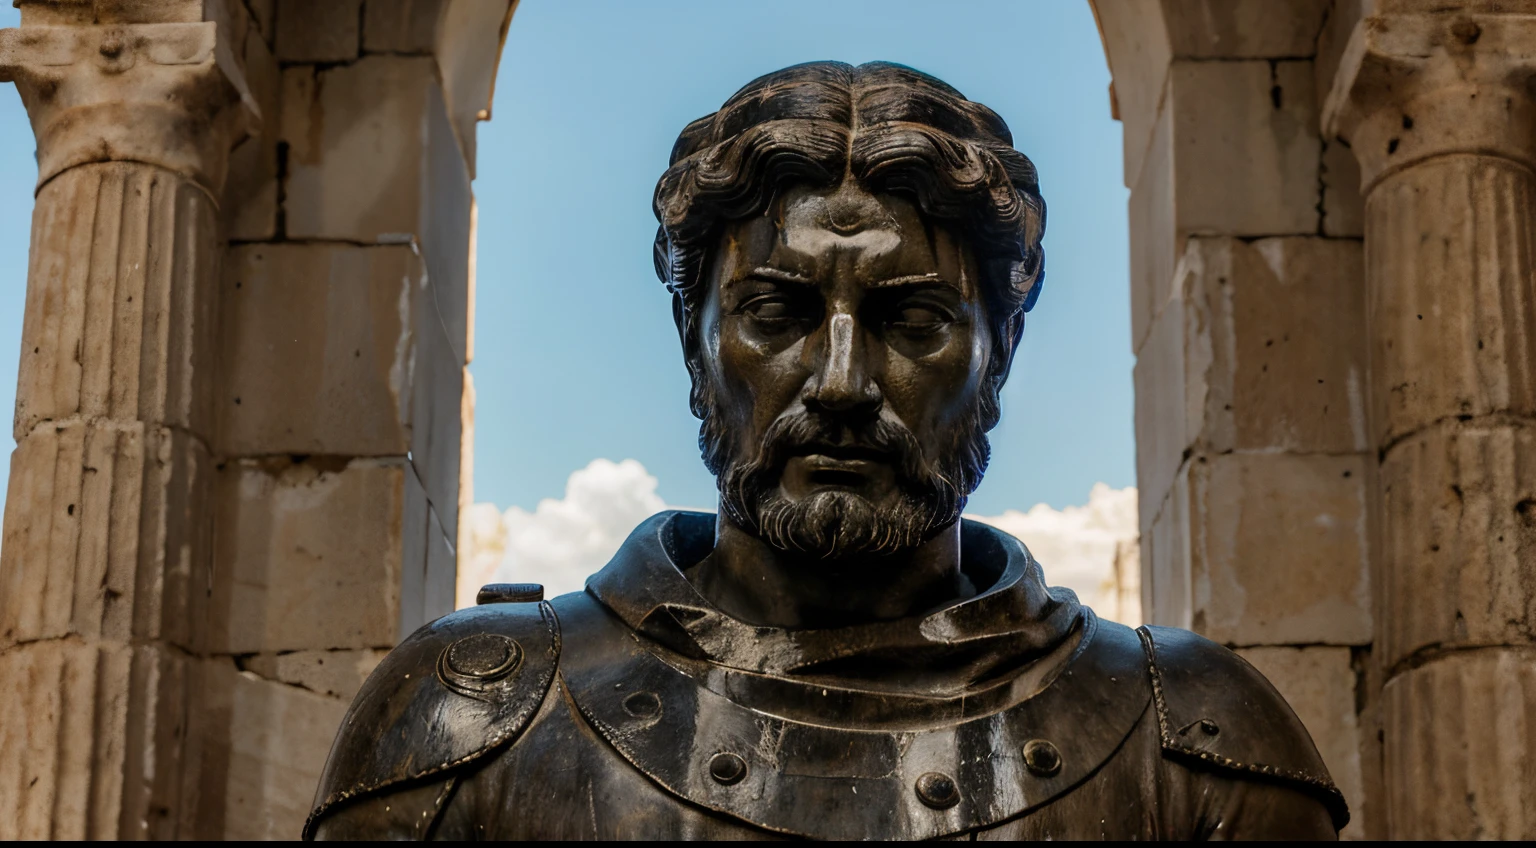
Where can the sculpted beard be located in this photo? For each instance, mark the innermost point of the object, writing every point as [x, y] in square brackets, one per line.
[838, 524]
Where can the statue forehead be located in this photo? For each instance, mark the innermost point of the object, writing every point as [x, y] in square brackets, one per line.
[882, 234]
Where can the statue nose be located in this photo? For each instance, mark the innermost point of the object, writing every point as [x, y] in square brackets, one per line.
[843, 383]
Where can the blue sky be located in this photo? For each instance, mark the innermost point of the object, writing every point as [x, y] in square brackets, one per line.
[589, 100]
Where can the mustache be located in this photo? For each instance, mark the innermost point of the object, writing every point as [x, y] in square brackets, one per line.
[800, 433]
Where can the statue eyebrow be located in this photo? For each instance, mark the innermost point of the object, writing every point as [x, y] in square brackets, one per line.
[914, 280]
[779, 276]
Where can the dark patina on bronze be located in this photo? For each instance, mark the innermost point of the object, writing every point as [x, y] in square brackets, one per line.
[836, 654]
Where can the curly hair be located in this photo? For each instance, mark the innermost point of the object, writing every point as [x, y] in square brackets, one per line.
[892, 128]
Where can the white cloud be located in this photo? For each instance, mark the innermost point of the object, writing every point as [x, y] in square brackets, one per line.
[563, 541]
[1090, 549]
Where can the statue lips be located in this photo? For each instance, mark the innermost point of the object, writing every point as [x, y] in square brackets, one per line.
[848, 466]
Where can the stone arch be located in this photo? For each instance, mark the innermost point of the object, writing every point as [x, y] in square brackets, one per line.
[1310, 415]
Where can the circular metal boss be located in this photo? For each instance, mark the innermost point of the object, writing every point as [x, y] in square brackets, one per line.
[643, 705]
[727, 768]
[938, 790]
[483, 656]
[1041, 758]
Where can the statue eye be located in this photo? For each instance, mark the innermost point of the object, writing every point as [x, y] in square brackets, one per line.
[772, 310]
[916, 317]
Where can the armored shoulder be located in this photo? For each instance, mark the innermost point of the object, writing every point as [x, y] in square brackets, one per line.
[1213, 707]
[451, 693]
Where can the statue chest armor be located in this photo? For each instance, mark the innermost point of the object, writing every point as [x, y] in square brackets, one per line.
[634, 710]
[629, 744]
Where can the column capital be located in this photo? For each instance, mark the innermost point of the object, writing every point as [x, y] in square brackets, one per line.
[1415, 85]
[166, 94]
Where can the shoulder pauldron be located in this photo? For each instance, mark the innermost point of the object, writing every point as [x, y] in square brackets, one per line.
[1212, 706]
[452, 692]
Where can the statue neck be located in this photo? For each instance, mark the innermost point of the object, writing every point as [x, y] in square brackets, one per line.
[751, 581]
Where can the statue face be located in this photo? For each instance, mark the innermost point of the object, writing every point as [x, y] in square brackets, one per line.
[845, 345]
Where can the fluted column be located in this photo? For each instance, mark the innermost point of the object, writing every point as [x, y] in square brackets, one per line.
[1438, 110]
[105, 561]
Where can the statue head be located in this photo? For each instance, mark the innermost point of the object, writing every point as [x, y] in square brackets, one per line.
[850, 251]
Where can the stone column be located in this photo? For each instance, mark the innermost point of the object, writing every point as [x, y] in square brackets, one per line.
[1438, 109]
[105, 557]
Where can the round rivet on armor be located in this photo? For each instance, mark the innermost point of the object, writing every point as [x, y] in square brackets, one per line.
[1209, 727]
[643, 705]
[484, 656]
[727, 768]
[1041, 758]
[938, 790]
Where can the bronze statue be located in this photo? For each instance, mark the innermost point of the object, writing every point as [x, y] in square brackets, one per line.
[837, 654]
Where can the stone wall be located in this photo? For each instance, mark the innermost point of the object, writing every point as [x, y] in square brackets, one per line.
[1248, 323]
[241, 428]
[1335, 398]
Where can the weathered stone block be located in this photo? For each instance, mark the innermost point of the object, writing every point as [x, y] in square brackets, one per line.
[1319, 683]
[1243, 29]
[1163, 399]
[49, 737]
[436, 427]
[1277, 552]
[106, 535]
[357, 150]
[1262, 348]
[1458, 539]
[1155, 239]
[1451, 305]
[272, 739]
[363, 174]
[1343, 16]
[1136, 44]
[326, 31]
[320, 351]
[1167, 593]
[249, 205]
[44, 13]
[400, 26]
[1229, 132]
[442, 568]
[1460, 747]
[414, 562]
[308, 555]
[1245, 147]
[1285, 326]
[468, 50]
[334, 674]
[448, 229]
[89, 754]
[117, 323]
[264, 18]
[1343, 206]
